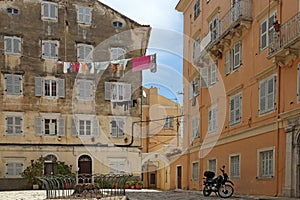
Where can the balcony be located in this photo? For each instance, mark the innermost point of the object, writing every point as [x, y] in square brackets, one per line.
[284, 42]
[232, 24]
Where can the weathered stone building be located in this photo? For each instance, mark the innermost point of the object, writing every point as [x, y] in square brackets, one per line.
[68, 91]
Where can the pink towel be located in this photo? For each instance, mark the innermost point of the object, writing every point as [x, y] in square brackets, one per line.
[141, 63]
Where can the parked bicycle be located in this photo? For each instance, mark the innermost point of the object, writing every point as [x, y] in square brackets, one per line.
[221, 185]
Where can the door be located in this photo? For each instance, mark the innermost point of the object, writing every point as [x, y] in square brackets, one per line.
[179, 177]
[152, 181]
[85, 169]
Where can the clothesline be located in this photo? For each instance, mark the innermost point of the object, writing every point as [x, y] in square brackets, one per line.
[138, 64]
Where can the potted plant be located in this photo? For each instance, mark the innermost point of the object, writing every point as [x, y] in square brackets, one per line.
[34, 170]
[65, 170]
[139, 185]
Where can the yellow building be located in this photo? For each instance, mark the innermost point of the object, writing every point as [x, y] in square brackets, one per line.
[161, 138]
[68, 90]
[241, 103]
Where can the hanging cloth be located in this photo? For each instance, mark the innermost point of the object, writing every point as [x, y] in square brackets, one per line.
[141, 63]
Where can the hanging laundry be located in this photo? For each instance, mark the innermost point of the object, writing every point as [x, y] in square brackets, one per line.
[71, 67]
[141, 63]
[90, 67]
[66, 67]
[101, 66]
[83, 67]
[153, 67]
[76, 66]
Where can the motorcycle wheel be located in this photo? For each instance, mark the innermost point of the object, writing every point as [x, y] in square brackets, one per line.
[226, 191]
[206, 191]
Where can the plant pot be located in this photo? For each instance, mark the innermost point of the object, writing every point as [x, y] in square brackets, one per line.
[132, 187]
[138, 186]
[68, 186]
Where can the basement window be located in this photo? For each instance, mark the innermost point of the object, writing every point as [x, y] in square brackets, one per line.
[12, 11]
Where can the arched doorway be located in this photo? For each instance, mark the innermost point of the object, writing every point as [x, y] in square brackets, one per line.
[84, 169]
[50, 164]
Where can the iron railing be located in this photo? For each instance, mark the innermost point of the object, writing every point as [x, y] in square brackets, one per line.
[287, 33]
[99, 186]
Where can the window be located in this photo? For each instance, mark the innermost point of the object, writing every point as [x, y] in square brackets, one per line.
[84, 15]
[84, 52]
[196, 49]
[117, 53]
[12, 11]
[196, 87]
[85, 125]
[168, 124]
[214, 28]
[49, 49]
[209, 75]
[117, 128]
[235, 166]
[85, 89]
[12, 45]
[50, 126]
[49, 87]
[195, 125]
[266, 30]
[266, 163]
[14, 169]
[49, 11]
[233, 58]
[195, 171]
[196, 9]
[298, 80]
[115, 91]
[13, 84]
[212, 165]
[267, 95]
[117, 165]
[117, 24]
[235, 109]
[212, 120]
[13, 125]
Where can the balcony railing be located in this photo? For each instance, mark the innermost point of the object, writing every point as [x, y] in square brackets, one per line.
[286, 35]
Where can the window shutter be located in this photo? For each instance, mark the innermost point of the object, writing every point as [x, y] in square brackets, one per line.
[270, 93]
[46, 10]
[127, 92]
[61, 127]
[46, 49]
[53, 11]
[9, 84]
[298, 92]
[53, 53]
[8, 44]
[87, 16]
[61, 88]
[74, 126]
[121, 128]
[17, 84]
[96, 130]
[10, 169]
[17, 45]
[210, 120]
[81, 89]
[190, 92]
[80, 52]
[90, 90]
[9, 125]
[204, 77]
[38, 89]
[108, 90]
[227, 62]
[262, 97]
[113, 128]
[213, 73]
[232, 106]
[80, 15]
[38, 126]
[263, 34]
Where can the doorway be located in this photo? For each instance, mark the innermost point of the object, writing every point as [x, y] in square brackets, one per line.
[84, 169]
[179, 177]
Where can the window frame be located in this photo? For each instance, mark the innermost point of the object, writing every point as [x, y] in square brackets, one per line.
[87, 128]
[298, 82]
[86, 15]
[265, 97]
[50, 6]
[209, 162]
[14, 50]
[75, 125]
[119, 54]
[237, 51]
[85, 89]
[119, 130]
[117, 91]
[195, 127]
[40, 87]
[214, 28]
[197, 9]
[47, 47]
[235, 173]
[271, 163]
[237, 97]
[15, 170]
[168, 122]
[40, 125]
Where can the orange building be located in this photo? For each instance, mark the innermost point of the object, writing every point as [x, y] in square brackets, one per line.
[161, 138]
[242, 94]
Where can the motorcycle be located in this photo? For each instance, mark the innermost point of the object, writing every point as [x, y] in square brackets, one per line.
[221, 185]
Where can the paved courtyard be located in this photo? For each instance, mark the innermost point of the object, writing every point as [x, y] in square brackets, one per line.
[133, 195]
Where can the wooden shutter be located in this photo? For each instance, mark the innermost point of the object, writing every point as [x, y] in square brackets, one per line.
[107, 88]
[53, 11]
[80, 52]
[38, 126]
[8, 44]
[46, 49]
[190, 91]
[87, 16]
[10, 169]
[270, 93]
[204, 77]
[74, 126]
[231, 108]
[80, 15]
[113, 128]
[237, 55]
[81, 89]
[17, 84]
[89, 89]
[61, 127]
[53, 50]
[228, 62]
[17, 45]
[61, 88]
[38, 89]
[263, 34]
[127, 92]
[262, 97]
[96, 129]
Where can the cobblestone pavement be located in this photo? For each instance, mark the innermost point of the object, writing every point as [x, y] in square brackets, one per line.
[137, 195]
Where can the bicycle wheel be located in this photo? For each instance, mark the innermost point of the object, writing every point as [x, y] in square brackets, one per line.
[226, 191]
[206, 191]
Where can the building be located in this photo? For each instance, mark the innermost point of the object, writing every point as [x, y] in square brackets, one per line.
[68, 90]
[162, 138]
[241, 103]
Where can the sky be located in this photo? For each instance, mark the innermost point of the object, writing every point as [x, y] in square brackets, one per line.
[166, 41]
